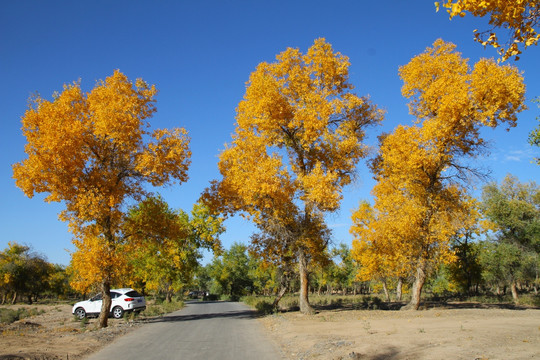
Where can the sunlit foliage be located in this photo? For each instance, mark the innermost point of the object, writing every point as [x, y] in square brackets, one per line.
[165, 244]
[420, 195]
[93, 151]
[521, 18]
[298, 137]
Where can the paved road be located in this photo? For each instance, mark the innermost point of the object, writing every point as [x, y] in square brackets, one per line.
[201, 330]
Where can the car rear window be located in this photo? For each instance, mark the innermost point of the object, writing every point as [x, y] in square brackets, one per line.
[133, 293]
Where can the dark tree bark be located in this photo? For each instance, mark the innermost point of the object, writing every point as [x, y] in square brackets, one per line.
[106, 304]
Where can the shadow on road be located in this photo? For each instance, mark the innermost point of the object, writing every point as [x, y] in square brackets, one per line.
[238, 314]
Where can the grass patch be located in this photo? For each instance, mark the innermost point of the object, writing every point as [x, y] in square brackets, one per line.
[162, 308]
[8, 316]
[532, 300]
[289, 302]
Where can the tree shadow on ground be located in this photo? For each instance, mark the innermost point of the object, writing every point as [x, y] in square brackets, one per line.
[426, 305]
[474, 305]
[389, 353]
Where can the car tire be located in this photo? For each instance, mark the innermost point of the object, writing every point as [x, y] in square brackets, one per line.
[80, 313]
[117, 312]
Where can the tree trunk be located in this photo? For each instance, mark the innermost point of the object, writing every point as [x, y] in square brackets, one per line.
[399, 289]
[14, 300]
[106, 304]
[385, 288]
[279, 296]
[419, 281]
[513, 287]
[168, 291]
[305, 307]
[29, 297]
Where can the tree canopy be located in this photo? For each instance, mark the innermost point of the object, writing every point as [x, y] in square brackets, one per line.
[298, 137]
[92, 152]
[520, 18]
[420, 198]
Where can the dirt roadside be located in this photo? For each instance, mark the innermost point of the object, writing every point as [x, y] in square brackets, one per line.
[56, 334]
[463, 333]
[450, 333]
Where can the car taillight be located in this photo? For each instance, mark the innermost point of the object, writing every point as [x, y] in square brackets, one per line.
[129, 299]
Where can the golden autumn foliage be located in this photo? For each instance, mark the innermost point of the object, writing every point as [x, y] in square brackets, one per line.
[93, 151]
[521, 18]
[165, 244]
[420, 195]
[299, 132]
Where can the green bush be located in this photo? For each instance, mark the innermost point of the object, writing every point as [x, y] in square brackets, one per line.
[230, 298]
[265, 307]
[8, 316]
[159, 309]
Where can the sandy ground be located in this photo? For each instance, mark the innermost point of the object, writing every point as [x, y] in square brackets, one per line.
[55, 334]
[462, 332]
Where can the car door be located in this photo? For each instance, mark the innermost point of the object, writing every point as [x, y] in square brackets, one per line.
[115, 297]
[95, 304]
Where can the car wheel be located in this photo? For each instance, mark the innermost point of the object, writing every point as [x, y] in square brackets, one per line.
[80, 313]
[118, 312]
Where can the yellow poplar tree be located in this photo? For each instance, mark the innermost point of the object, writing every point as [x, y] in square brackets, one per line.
[374, 246]
[421, 173]
[92, 152]
[521, 18]
[166, 243]
[298, 137]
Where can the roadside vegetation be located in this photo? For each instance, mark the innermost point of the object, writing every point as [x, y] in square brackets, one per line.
[299, 136]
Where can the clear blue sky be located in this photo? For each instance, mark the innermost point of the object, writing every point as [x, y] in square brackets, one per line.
[199, 54]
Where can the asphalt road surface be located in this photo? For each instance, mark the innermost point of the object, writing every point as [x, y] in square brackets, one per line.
[201, 330]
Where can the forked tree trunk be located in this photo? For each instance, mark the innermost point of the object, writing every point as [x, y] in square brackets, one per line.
[305, 307]
[106, 304]
[399, 289]
[279, 296]
[419, 281]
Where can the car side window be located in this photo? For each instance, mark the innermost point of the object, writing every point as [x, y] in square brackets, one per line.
[114, 295]
[133, 293]
[96, 298]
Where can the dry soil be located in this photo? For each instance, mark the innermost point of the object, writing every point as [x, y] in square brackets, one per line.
[461, 331]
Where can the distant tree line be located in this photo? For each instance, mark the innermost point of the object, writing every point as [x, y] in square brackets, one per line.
[497, 254]
[29, 276]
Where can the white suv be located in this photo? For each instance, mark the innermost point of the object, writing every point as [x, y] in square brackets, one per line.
[122, 300]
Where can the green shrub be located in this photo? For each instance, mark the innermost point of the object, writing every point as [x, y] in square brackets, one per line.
[8, 316]
[230, 297]
[265, 307]
[159, 309]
